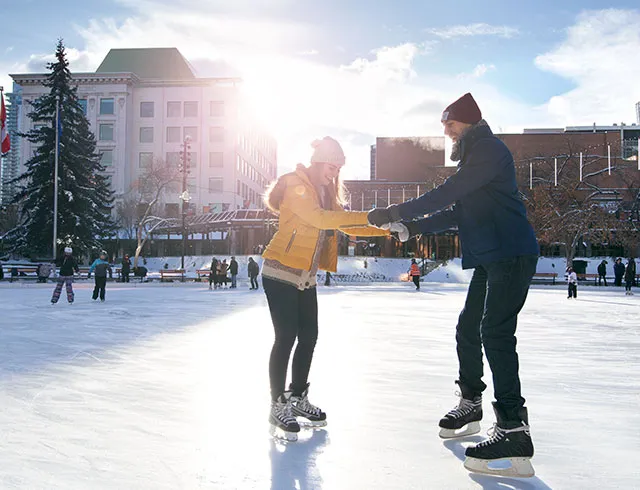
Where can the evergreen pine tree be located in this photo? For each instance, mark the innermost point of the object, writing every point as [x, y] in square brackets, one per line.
[84, 197]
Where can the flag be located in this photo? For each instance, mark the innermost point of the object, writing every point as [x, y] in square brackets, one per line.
[5, 144]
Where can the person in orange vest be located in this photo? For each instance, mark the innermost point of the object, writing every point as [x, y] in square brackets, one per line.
[414, 272]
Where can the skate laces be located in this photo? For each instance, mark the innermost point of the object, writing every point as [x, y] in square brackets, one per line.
[497, 433]
[464, 407]
[303, 403]
[283, 411]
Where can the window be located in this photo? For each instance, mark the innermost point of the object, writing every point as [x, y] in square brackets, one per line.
[216, 108]
[106, 106]
[106, 158]
[173, 109]
[145, 159]
[173, 158]
[146, 109]
[105, 132]
[238, 187]
[83, 105]
[173, 135]
[216, 133]
[146, 135]
[191, 132]
[190, 109]
[191, 187]
[216, 159]
[193, 158]
[215, 184]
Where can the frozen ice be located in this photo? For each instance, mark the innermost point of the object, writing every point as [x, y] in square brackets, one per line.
[165, 386]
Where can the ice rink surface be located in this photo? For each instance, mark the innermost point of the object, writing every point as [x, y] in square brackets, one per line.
[165, 386]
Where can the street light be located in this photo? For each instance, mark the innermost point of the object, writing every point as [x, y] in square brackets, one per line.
[184, 197]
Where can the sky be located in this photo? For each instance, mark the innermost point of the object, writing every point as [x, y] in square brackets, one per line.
[356, 70]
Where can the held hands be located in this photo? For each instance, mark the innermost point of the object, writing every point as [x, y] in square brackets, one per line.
[399, 230]
[382, 216]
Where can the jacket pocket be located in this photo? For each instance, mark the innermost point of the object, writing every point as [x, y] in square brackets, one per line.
[293, 237]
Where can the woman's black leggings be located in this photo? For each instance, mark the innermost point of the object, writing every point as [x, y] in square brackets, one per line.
[294, 314]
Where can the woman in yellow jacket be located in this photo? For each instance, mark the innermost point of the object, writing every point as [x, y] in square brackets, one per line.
[309, 204]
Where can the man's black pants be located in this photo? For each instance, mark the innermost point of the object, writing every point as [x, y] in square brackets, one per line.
[496, 295]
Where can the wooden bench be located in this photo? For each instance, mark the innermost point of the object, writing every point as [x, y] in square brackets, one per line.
[24, 272]
[584, 277]
[203, 273]
[171, 274]
[546, 276]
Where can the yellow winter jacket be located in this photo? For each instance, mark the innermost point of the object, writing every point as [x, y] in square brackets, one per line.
[302, 218]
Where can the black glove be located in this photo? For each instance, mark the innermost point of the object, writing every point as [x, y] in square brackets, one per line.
[382, 216]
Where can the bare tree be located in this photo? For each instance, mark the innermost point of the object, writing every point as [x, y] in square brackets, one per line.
[581, 207]
[140, 211]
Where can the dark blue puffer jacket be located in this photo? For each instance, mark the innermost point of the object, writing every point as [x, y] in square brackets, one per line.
[488, 211]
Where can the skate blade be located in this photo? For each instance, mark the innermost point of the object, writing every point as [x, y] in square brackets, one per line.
[519, 467]
[308, 424]
[468, 430]
[282, 435]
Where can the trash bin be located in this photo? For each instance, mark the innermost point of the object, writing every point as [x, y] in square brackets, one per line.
[580, 267]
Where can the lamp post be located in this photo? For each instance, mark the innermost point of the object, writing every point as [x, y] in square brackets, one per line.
[184, 197]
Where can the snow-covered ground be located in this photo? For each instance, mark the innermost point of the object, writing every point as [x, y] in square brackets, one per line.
[165, 386]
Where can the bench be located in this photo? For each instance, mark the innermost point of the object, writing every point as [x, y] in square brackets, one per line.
[24, 272]
[584, 277]
[546, 276]
[203, 273]
[171, 274]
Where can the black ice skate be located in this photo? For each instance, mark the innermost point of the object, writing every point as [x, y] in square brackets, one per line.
[301, 407]
[283, 423]
[464, 420]
[509, 442]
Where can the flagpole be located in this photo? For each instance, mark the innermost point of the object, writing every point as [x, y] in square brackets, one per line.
[55, 180]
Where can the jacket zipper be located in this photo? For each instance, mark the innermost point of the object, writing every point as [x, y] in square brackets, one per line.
[293, 236]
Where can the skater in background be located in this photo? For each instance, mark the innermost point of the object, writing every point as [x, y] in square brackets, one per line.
[213, 275]
[618, 271]
[629, 277]
[101, 268]
[126, 268]
[233, 270]
[253, 270]
[68, 266]
[222, 269]
[632, 265]
[309, 203]
[499, 243]
[602, 273]
[572, 282]
[414, 273]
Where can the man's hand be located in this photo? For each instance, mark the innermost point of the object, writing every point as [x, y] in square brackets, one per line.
[379, 216]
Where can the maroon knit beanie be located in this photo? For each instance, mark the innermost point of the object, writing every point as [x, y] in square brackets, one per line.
[463, 110]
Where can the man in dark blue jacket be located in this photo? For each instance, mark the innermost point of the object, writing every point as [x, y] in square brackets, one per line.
[497, 240]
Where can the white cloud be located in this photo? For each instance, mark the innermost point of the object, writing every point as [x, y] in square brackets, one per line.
[600, 55]
[481, 70]
[478, 29]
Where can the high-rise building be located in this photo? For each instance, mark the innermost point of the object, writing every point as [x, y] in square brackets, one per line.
[638, 112]
[143, 103]
[10, 162]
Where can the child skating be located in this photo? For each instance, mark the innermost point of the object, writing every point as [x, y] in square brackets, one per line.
[101, 267]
